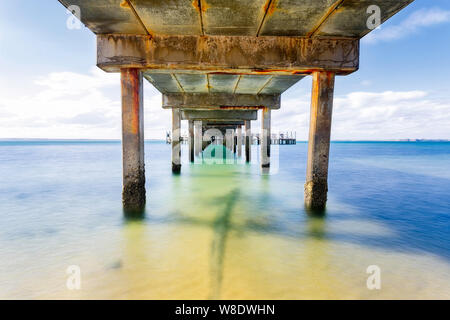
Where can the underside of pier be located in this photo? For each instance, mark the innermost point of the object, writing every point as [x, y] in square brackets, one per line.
[218, 62]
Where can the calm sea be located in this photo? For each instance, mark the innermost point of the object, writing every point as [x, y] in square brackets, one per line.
[224, 231]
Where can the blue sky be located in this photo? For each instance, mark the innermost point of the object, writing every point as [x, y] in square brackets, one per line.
[50, 87]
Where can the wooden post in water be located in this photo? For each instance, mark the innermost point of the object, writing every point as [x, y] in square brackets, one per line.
[133, 193]
[316, 186]
[239, 141]
[176, 147]
[248, 142]
[191, 140]
[265, 138]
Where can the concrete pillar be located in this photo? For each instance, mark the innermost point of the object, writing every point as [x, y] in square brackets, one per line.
[265, 138]
[248, 142]
[239, 141]
[133, 194]
[198, 137]
[229, 142]
[191, 140]
[234, 141]
[176, 135]
[316, 185]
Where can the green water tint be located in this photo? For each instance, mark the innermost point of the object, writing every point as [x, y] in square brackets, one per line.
[221, 232]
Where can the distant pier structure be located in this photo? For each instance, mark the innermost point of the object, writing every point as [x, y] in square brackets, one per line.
[219, 63]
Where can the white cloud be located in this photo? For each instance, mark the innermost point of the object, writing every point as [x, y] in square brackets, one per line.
[373, 116]
[420, 19]
[73, 105]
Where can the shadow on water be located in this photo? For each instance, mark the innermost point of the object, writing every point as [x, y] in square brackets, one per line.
[290, 221]
[315, 213]
[222, 226]
[316, 227]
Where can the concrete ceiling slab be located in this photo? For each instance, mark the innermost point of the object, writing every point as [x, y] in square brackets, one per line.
[252, 84]
[192, 82]
[221, 83]
[350, 18]
[107, 16]
[233, 17]
[334, 18]
[163, 82]
[280, 83]
[169, 17]
[234, 114]
[295, 18]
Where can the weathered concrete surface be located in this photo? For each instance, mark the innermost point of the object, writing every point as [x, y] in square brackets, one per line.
[176, 134]
[225, 54]
[220, 100]
[198, 137]
[316, 186]
[265, 138]
[219, 114]
[343, 18]
[133, 195]
[191, 140]
[107, 16]
[220, 83]
[350, 17]
[248, 142]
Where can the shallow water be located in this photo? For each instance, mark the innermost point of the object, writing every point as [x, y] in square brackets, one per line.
[224, 231]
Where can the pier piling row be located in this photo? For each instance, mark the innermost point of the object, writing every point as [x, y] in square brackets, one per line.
[201, 57]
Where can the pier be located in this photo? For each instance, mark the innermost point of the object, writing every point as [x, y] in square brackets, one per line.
[218, 64]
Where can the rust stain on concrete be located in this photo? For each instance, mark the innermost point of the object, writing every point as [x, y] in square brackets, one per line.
[200, 5]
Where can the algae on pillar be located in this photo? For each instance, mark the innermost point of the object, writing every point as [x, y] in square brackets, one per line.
[133, 194]
[316, 186]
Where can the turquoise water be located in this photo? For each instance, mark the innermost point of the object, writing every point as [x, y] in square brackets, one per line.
[224, 231]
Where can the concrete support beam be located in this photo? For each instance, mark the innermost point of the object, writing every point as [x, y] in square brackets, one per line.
[198, 137]
[248, 141]
[176, 146]
[265, 138]
[316, 185]
[221, 101]
[133, 194]
[239, 141]
[229, 54]
[219, 114]
[191, 141]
